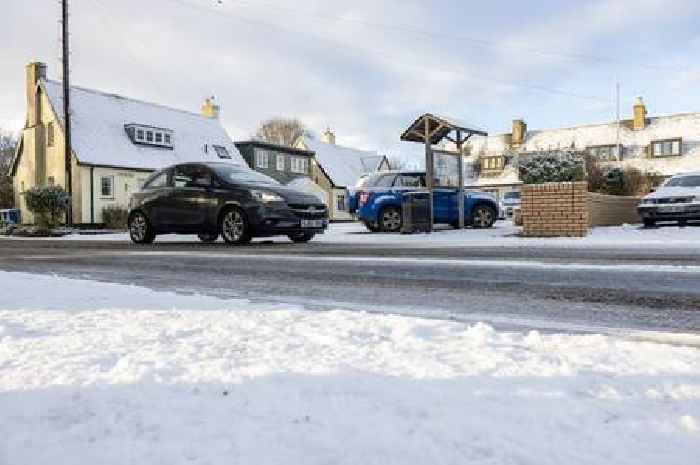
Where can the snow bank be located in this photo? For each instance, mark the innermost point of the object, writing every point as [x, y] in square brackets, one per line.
[110, 374]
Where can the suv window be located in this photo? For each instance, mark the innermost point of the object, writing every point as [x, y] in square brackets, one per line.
[410, 180]
[384, 180]
[158, 180]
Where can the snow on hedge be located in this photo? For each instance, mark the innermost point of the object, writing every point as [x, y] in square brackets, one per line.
[110, 374]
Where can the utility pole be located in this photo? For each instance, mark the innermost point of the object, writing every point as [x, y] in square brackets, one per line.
[66, 110]
[618, 155]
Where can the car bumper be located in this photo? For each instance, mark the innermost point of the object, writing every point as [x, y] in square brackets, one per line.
[281, 220]
[675, 212]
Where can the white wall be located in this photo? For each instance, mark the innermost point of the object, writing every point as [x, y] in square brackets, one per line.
[125, 183]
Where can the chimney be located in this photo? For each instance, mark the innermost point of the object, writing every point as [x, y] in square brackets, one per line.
[328, 136]
[640, 115]
[210, 109]
[35, 71]
[519, 133]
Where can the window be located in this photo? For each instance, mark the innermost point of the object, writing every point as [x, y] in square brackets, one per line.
[299, 165]
[492, 163]
[140, 135]
[149, 136]
[158, 180]
[666, 148]
[604, 152]
[222, 152]
[159, 137]
[261, 158]
[51, 181]
[49, 135]
[280, 162]
[106, 186]
[406, 180]
[168, 138]
[340, 202]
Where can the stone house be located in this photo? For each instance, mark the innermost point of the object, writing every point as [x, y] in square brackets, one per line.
[336, 169]
[666, 145]
[116, 142]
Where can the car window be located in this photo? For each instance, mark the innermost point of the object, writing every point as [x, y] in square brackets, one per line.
[410, 180]
[192, 176]
[157, 180]
[684, 181]
[242, 175]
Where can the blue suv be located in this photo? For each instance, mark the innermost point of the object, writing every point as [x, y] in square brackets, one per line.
[377, 202]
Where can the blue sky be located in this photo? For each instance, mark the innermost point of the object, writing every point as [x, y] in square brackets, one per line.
[367, 68]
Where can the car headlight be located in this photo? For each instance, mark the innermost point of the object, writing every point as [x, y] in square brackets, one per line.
[266, 196]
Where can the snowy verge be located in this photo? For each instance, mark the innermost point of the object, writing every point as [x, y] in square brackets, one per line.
[104, 373]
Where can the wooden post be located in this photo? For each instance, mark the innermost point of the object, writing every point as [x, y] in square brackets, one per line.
[429, 171]
[460, 167]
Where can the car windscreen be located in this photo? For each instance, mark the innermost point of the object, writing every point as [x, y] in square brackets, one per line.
[242, 175]
[684, 181]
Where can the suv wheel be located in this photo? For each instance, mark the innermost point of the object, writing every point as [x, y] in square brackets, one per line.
[301, 238]
[390, 219]
[208, 237]
[483, 217]
[140, 229]
[234, 227]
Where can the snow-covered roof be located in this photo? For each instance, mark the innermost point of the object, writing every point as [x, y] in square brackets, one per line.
[344, 165]
[99, 137]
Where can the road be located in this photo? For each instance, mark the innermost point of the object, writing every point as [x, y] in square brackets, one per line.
[520, 287]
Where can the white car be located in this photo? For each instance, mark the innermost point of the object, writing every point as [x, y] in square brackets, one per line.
[678, 199]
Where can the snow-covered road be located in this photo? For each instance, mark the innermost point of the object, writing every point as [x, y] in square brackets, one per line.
[113, 374]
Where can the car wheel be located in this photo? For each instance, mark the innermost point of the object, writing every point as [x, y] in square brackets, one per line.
[234, 227]
[301, 238]
[390, 219]
[208, 237]
[370, 227]
[682, 222]
[140, 229]
[649, 223]
[483, 217]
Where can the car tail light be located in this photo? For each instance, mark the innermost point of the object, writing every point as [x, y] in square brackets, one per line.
[364, 198]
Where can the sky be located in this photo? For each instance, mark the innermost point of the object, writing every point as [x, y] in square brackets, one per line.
[367, 68]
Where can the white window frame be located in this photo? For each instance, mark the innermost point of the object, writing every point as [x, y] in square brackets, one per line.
[676, 143]
[280, 161]
[300, 165]
[51, 181]
[143, 134]
[341, 207]
[262, 159]
[156, 135]
[219, 149]
[111, 187]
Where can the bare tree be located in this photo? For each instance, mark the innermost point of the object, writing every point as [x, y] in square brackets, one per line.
[282, 131]
[8, 143]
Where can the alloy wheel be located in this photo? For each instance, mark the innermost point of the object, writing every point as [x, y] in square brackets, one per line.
[138, 228]
[233, 226]
[483, 217]
[391, 220]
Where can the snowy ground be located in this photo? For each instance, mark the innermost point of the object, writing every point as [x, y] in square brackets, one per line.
[504, 233]
[112, 374]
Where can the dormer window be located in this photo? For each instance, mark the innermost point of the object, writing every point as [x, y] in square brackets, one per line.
[150, 135]
[221, 151]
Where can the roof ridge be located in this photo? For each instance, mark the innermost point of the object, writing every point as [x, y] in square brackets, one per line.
[376, 152]
[122, 97]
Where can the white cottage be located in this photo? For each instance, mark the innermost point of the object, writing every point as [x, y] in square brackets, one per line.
[116, 142]
[666, 145]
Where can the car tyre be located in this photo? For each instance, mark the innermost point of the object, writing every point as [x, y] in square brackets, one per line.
[370, 227]
[234, 227]
[208, 237]
[140, 229]
[649, 223]
[390, 220]
[301, 238]
[483, 217]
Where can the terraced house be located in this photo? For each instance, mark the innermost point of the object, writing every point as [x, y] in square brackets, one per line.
[117, 142]
[666, 145]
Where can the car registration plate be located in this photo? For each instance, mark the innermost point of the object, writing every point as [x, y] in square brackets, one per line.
[311, 223]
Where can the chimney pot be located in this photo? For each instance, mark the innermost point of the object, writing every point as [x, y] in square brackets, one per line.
[328, 136]
[210, 109]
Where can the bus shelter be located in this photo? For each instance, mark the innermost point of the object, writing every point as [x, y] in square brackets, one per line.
[430, 130]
